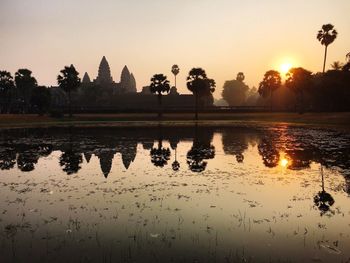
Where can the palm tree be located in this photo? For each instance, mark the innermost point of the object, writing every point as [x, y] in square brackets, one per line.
[337, 65]
[199, 85]
[25, 83]
[348, 57]
[159, 85]
[326, 36]
[175, 70]
[270, 83]
[69, 81]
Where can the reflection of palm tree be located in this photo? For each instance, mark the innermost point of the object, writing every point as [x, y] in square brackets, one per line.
[160, 156]
[70, 161]
[175, 165]
[323, 200]
[326, 36]
[201, 150]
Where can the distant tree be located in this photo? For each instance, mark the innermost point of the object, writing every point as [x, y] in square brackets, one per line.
[175, 70]
[270, 83]
[252, 96]
[40, 99]
[25, 83]
[240, 76]
[235, 91]
[69, 81]
[6, 89]
[200, 85]
[299, 80]
[159, 85]
[346, 67]
[337, 65]
[326, 36]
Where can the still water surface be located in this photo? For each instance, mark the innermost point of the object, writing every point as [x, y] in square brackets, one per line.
[195, 194]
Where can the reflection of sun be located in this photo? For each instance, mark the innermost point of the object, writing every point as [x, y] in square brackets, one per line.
[284, 162]
[285, 67]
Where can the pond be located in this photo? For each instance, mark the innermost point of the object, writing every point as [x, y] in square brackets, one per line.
[165, 194]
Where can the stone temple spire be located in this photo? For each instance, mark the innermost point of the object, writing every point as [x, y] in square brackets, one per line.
[86, 79]
[104, 73]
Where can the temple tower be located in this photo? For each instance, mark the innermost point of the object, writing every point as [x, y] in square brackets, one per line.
[86, 79]
[104, 73]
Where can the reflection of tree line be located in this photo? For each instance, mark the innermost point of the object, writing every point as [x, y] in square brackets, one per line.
[25, 147]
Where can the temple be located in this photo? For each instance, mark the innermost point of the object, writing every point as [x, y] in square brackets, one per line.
[104, 79]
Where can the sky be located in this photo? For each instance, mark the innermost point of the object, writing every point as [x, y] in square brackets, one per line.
[223, 37]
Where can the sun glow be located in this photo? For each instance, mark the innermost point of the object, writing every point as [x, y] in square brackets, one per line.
[284, 162]
[285, 67]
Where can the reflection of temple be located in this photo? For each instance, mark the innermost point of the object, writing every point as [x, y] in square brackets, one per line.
[22, 148]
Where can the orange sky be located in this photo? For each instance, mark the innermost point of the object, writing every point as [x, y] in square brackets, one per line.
[223, 36]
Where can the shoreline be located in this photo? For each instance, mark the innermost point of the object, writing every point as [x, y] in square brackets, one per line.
[315, 120]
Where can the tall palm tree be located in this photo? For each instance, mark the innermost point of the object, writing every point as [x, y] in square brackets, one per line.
[69, 81]
[175, 70]
[326, 36]
[270, 83]
[200, 85]
[159, 85]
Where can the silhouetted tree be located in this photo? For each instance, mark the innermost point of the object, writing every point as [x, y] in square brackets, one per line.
[69, 81]
[199, 85]
[175, 70]
[299, 80]
[159, 85]
[6, 90]
[326, 36]
[25, 83]
[40, 100]
[235, 91]
[270, 83]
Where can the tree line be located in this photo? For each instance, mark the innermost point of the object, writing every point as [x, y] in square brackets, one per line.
[302, 90]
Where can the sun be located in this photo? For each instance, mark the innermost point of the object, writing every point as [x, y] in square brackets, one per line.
[285, 67]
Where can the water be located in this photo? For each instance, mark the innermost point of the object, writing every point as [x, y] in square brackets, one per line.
[278, 194]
